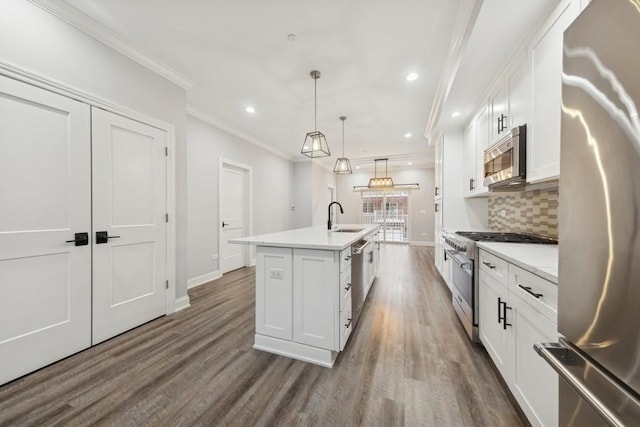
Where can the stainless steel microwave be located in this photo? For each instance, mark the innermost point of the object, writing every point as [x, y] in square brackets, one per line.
[505, 163]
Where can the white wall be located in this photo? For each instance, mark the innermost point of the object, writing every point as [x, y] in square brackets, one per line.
[271, 178]
[321, 180]
[422, 200]
[35, 40]
[310, 193]
[302, 194]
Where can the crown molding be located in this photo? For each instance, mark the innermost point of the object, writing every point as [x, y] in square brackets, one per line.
[467, 16]
[103, 34]
[220, 124]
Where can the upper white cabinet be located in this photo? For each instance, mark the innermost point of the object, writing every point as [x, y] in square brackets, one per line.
[499, 103]
[439, 154]
[475, 141]
[517, 82]
[543, 145]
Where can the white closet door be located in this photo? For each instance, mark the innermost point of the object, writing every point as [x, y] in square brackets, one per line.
[129, 204]
[45, 198]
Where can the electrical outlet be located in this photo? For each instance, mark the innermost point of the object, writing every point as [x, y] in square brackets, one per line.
[276, 273]
[214, 257]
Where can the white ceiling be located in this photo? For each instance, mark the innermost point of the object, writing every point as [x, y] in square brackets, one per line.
[237, 53]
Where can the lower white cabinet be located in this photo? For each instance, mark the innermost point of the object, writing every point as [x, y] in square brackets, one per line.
[516, 312]
[274, 292]
[495, 331]
[315, 308]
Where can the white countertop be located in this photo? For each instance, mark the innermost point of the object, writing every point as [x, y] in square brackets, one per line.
[310, 238]
[541, 260]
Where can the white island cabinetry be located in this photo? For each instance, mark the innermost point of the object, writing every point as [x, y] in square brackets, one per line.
[304, 290]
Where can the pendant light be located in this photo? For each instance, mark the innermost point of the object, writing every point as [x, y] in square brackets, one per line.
[343, 165]
[315, 143]
[383, 181]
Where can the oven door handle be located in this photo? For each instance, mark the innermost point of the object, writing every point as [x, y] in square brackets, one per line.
[454, 255]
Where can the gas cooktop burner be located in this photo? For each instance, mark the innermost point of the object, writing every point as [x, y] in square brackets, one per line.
[505, 237]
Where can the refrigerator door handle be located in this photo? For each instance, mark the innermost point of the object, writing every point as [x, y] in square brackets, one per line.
[573, 368]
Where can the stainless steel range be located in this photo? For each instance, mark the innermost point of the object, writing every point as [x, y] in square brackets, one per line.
[461, 249]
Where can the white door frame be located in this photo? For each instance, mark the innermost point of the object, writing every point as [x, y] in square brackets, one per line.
[248, 207]
[27, 76]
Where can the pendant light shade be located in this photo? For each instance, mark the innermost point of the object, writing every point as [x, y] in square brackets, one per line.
[343, 165]
[315, 143]
[383, 181]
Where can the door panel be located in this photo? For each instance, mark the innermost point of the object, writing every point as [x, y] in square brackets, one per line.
[232, 216]
[45, 193]
[129, 203]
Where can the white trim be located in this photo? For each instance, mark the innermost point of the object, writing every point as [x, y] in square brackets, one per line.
[294, 350]
[232, 130]
[253, 262]
[203, 278]
[248, 182]
[421, 243]
[182, 303]
[29, 77]
[115, 41]
[468, 12]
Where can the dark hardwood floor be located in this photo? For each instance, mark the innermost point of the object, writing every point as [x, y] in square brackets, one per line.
[408, 362]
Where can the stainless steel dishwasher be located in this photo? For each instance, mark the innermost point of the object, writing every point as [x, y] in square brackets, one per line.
[359, 276]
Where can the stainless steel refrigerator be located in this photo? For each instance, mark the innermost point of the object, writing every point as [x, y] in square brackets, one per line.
[598, 356]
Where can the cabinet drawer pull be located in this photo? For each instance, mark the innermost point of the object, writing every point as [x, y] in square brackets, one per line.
[528, 290]
[488, 264]
[348, 323]
[499, 310]
[346, 288]
[504, 315]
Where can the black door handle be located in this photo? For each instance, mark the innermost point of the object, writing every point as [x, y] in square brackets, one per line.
[103, 237]
[504, 315]
[81, 239]
[224, 223]
[528, 290]
[500, 319]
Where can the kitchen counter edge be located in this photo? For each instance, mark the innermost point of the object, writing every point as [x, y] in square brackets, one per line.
[310, 238]
[543, 263]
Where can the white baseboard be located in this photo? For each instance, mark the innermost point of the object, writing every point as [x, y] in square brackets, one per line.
[203, 278]
[421, 243]
[294, 350]
[253, 262]
[182, 303]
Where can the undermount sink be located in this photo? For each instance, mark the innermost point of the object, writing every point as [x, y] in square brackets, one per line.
[348, 230]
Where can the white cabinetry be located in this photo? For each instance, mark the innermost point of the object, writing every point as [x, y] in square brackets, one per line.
[315, 304]
[543, 146]
[498, 101]
[274, 289]
[517, 81]
[303, 300]
[518, 310]
[475, 141]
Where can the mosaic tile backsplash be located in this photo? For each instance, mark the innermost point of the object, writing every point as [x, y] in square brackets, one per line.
[534, 212]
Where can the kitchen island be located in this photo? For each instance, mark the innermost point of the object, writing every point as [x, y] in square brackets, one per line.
[304, 289]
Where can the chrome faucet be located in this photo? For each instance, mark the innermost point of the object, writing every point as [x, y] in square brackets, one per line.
[329, 222]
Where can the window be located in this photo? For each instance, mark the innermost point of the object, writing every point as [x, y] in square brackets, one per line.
[367, 207]
[391, 208]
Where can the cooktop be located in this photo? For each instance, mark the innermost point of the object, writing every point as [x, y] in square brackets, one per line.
[482, 236]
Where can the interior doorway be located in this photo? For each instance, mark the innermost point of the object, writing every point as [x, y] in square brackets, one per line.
[390, 210]
[235, 214]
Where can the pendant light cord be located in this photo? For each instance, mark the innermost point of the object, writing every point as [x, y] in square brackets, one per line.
[315, 103]
[343, 138]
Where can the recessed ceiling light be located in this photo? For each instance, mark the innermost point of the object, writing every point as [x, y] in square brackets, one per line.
[357, 167]
[250, 109]
[455, 114]
[412, 76]
[292, 37]
[408, 135]
[410, 163]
